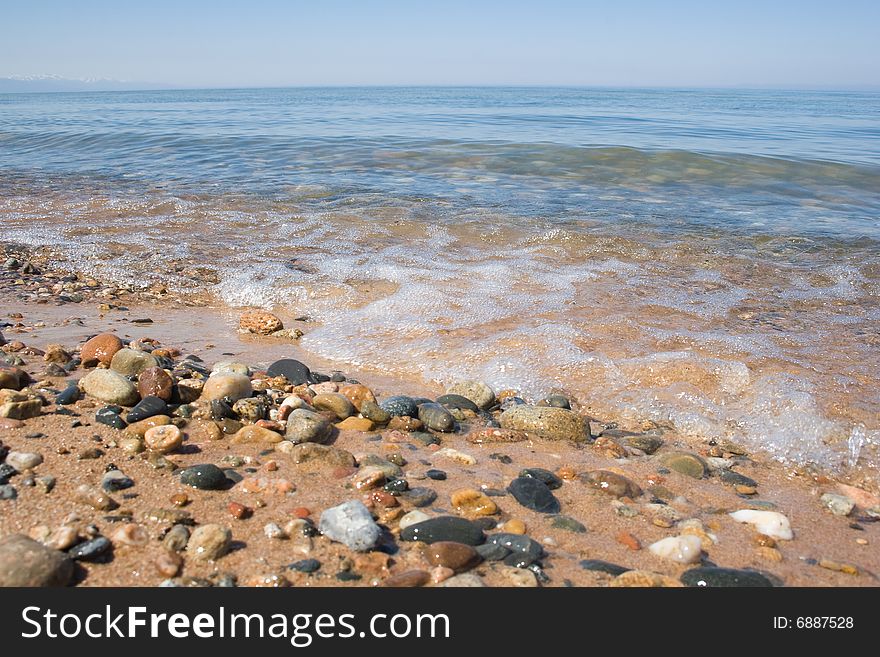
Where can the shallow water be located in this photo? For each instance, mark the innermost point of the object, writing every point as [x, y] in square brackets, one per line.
[706, 259]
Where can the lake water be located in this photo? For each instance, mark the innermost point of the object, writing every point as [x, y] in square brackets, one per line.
[705, 259]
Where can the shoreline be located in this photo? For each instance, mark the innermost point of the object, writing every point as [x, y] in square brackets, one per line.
[673, 504]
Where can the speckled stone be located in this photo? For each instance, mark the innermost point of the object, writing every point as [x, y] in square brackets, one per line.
[545, 421]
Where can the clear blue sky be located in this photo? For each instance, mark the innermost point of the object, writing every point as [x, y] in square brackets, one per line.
[326, 42]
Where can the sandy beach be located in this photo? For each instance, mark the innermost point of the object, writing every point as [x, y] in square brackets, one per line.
[620, 489]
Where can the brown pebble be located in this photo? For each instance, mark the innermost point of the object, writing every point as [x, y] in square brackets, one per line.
[238, 511]
[841, 567]
[271, 466]
[514, 526]
[100, 349]
[765, 541]
[302, 512]
[156, 382]
[180, 499]
[168, 564]
[408, 579]
[457, 556]
[770, 553]
[627, 539]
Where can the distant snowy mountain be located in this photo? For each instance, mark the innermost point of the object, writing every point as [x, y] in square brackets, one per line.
[46, 83]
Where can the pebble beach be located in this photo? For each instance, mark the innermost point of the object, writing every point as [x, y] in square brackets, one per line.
[149, 438]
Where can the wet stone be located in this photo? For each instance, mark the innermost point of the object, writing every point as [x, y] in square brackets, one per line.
[492, 552]
[736, 479]
[109, 415]
[293, 370]
[612, 483]
[147, 407]
[724, 577]
[93, 550]
[550, 480]
[444, 528]
[437, 475]
[645, 442]
[455, 556]
[556, 401]
[70, 395]
[569, 524]
[400, 406]
[408, 579]
[205, 476]
[115, 480]
[685, 463]
[457, 401]
[435, 417]
[25, 562]
[534, 494]
[419, 496]
[603, 567]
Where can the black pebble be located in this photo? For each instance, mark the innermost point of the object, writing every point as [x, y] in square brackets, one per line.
[437, 475]
[534, 494]
[205, 476]
[149, 406]
[90, 550]
[305, 565]
[551, 480]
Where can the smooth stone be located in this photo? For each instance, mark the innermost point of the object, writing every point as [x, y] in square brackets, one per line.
[209, 542]
[110, 416]
[681, 549]
[569, 524]
[294, 371]
[260, 322]
[100, 349]
[163, 438]
[492, 552]
[131, 362]
[435, 417]
[373, 412]
[533, 494]
[351, 524]
[770, 523]
[307, 427]
[305, 566]
[155, 382]
[8, 492]
[400, 406]
[550, 480]
[389, 469]
[612, 483]
[337, 404]
[419, 496]
[255, 434]
[496, 435]
[361, 424]
[465, 580]
[250, 409]
[205, 476]
[70, 395]
[736, 479]
[6, 473]
[147, 407]
[478, 392]
[556, 401]
[444, 528]
[115, 480]
[26, 563]
[724, 577]
[109, 387]
[357, 394]
[23, 461]
[90, 550]
[230, 387]
[458, 401]
[603, 567]
[436, 475]
[455, 556]
[324, 454]
[685, 463]
[411, 518]
[839, 505]
[523, 549]
[545, 421]
[408, 579]
[645, 442]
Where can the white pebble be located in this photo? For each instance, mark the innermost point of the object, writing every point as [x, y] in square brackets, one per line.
[770, 523]
[682, 549]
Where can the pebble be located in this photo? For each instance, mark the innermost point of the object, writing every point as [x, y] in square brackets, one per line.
[847, 568]
[230, 387]
[95, 498]
[272, 530]
[534, 494]
[685, 463]
[625, 538]
[556, 401]
[139, 429]
[710, 576]
[355, 424]
[514, 526]
[259, 322]
[681, 549]
[6, 472]
[350, 523]
[109, 387]
[335, 403]
[476, 391]
[645, 442]
[400, 406]
[839, 505]
[472, 503]
[209, 542]
[436, 475]
[496, 435]
[323, 454]
[109, 415]
[521, 578]
[254, 434]
[411, 518]
[70, 395]
[612, 483]
[357, 394]
[459, 402]
[176, 538]
[419, 496]
[307, 427]
[770, 523]
[8, 492]
[155, 382]
[131, 535]
[147, 407]
[293, 370]
[92, 550]
[205, 476]
[305, 566]
[465, 580]
[603, 567]
[551, 480]
[546, 421]
[435, 417]
[168, 564]
[407, 579]
[444, 528]
[22, 461]
[115, 480]
[644, 578]
[163, 439]
[569, 524]
[131, 362]
[100, 350]
[458, 557]
[26, 563]
[457, 456]
[373, 412]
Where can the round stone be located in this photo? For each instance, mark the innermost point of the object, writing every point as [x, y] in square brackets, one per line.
[22, 461]
[307, 427]
[205, 476]
[351, 524]
[26, 563]
[131, 362]
[455, 556]
[163, 438]
[100, 349]
[478, 392]
[294, 371]
[231, 387]
[435, 417]
[209, 542]
[400, 406]
[533, 494]
[335, 403]
[155, 382]
[109, 387]
[612, 483]
[444, 528]
[545, 421]
[685, 463]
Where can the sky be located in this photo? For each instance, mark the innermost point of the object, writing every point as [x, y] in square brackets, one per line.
[781, 43]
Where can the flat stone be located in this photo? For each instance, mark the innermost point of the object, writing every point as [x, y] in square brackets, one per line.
[550, 480]
[603, 567]
[115, 480]
[147, 407]
[724, 577]
[455, 556]
[685, 463]
[769, 523]
[533, 494]
[260, 322]
[92, 550]
[335, 403]
[373, 412]
[736, 479]
[612, 483]
[23, 461]
[839, 505]
[408, 579]
[419, 496]
[496, 435]
[351, 524]
[110, 416]
[26, 563]
[545, 421]
[645, 442]
[324, 454]
[458, 401]
[254, 434]
[568, 524]
[444, 528]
